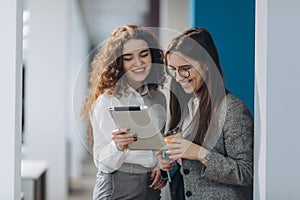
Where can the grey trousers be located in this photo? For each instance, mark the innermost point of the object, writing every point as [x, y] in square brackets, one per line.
[124, 185]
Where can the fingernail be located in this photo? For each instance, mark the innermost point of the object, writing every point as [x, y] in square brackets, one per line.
[135, 137]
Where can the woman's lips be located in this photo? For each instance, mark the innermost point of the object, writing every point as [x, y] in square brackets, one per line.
[139, 70]
[185, 84]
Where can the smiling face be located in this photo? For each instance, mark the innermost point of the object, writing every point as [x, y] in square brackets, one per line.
[194, 81]
[136, 61]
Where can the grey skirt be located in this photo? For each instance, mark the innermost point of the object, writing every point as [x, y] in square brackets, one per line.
[124, 185]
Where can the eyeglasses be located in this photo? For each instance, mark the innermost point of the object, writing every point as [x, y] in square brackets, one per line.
[182, 71]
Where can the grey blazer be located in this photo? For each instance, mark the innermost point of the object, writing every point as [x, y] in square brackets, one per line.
[229, 174]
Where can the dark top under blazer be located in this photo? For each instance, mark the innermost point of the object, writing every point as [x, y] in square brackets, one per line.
[229, 174]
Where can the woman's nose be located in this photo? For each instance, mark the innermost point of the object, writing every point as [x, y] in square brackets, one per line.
[178, 78]
[138, 61]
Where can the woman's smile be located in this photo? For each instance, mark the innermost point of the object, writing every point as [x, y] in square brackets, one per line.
[139, 70]
[185, 83]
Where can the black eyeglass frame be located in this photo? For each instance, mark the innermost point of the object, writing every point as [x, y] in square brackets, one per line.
[171, 71]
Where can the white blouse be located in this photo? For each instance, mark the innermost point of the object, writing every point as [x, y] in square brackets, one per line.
[193, 106]
[107, 157]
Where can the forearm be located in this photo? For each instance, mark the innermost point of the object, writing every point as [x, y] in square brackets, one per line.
[108, 158]
[228, 170]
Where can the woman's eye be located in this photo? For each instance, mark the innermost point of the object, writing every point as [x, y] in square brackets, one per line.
[186, 68]
[127, 58]
[144, 55]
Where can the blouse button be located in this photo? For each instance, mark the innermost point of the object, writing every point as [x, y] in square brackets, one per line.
[186, 171]
[188, 193]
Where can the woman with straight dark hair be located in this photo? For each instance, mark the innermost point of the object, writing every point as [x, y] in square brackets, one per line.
[214, 141]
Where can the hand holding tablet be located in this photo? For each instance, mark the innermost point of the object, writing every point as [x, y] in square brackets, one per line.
[138, 119]
[122, 138]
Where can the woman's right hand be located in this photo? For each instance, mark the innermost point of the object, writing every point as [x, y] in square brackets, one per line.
[164, 164]
[121, 138]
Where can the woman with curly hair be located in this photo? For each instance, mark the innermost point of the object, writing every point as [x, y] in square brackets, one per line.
[126, 71]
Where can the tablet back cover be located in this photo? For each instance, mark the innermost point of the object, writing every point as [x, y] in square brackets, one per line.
[140, 123]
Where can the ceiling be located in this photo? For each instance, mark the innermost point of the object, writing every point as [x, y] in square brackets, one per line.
[103, 16]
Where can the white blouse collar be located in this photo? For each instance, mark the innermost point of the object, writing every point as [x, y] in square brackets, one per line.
[144, 92]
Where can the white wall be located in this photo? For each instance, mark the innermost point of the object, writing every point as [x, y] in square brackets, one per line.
[77, 86]
[277, 100]
[46, 89]
[260, 117]
[10, 101]
[174, 18]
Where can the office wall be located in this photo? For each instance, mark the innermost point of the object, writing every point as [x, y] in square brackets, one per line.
[77, 86]
[278, 65]
[173, 19]
[260, 103]
[56, 82]
[46, 89]
[10, 101]
[231, 24]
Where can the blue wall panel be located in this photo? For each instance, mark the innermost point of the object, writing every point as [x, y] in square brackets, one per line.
[232, 25]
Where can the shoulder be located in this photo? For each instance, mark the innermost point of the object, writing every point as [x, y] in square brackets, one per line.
[157, 95]
[233, 104]
[104, 97]
[236, 112]
[103, 101]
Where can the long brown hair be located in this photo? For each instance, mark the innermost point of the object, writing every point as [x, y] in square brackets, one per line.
[197, 43]
[107, 67]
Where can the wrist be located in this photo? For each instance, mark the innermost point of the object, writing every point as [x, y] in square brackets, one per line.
[202, 155]
[120, 148]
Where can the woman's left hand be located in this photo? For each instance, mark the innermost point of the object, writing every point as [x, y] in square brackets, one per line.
[158, 182]
[182, 148]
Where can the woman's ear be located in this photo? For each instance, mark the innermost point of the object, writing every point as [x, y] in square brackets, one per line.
[205, 67]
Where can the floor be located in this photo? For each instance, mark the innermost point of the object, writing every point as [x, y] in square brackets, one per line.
[83, 189]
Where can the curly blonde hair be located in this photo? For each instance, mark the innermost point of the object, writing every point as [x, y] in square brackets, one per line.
[107, 67]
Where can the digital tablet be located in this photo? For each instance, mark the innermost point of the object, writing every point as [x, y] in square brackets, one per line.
[138, 119]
